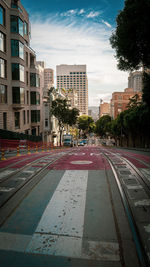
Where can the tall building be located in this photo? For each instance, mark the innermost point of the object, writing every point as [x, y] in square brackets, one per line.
[135, 81]
[74, 77]
[20, 78]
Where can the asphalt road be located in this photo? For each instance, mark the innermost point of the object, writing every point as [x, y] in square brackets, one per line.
[73, 216]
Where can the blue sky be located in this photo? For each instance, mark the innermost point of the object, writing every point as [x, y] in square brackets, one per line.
[77, 32]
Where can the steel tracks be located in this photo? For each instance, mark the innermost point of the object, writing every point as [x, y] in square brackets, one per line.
[134, 188]
[16, 184]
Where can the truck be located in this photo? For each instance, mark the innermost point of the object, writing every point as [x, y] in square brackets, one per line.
[68, 140]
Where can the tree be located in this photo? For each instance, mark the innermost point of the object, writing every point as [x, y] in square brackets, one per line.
[63, 114]
[134, 101]
[146, 88]
[103, 126]
[131, 37]
[71, 116]
[85, 123]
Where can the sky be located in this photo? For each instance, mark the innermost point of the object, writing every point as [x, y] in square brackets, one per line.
[78, 32]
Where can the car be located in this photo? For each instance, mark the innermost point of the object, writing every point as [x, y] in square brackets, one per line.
[80, 143]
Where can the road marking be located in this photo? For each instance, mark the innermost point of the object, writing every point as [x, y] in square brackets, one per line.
[143, 202]
[6, 189]
[60, 230]
[5, 173]
[95, 154]
[64, 215]
[106, 251]
[60, 246]
[147, 228]
[77, 154]
[65, 212]
[14, 242]
[68, 246]
[82, 162]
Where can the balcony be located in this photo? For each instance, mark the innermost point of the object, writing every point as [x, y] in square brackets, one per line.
[17, 106]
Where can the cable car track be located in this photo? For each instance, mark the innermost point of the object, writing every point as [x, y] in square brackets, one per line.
[15, 187]
[134, 190]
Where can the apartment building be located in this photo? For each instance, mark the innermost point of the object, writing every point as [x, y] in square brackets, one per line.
[120, 101]
[74, 78]
[20, 78]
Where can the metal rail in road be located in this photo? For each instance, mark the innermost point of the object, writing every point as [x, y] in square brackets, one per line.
[16, 184]
[135, 194]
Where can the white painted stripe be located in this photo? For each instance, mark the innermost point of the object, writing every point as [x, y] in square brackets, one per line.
[6, 189]
[135, 187]
[5, 173]
[67, 246]
[143, 202]
[60, 230]
[64, 215]
[105, 251]
[14, 242]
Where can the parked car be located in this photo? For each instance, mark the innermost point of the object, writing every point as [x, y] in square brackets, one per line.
[80, 143]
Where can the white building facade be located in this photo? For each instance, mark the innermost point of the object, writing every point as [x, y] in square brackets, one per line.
[74, 77]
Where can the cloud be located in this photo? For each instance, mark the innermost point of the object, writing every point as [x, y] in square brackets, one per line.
[81, 11]
[70, 12]
[106, 23]
[64, 41]
[93, 14]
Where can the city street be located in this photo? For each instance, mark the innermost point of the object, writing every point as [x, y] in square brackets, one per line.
[82, 206]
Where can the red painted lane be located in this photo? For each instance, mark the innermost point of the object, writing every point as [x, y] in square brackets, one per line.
[15, 159]
[145, 158]
[135, 158]
[81, 159]
[30, 157]
[135, 162]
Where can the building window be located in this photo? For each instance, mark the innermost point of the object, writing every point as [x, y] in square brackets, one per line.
[17, 120]
[27, 116]
[4, 120]
[25, 28]
[18, 95]
[24, 117]
[21, 72]
[34, 79]
[27, 97]
[16, 25]
[27, 59]
[35, 98]
[2, 68]
[35, 115]
[17, 72]
[46, 122]
[14, 4]
[27, 80]
[3, 94]
[2, 16]
[17, 49]
[2, 42]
